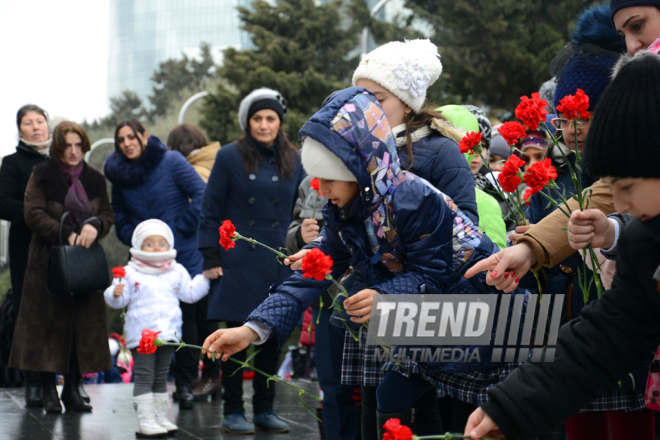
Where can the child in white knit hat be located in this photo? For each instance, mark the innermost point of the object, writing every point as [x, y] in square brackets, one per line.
[151, 289]
[399, 74]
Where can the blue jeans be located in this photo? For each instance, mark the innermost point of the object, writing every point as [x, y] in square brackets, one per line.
[341, 419]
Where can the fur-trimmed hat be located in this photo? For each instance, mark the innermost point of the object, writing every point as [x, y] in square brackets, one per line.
[624, 135]
[407, 69]
[261, 99]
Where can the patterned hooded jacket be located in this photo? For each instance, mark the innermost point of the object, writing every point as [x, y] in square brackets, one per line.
[400, 233]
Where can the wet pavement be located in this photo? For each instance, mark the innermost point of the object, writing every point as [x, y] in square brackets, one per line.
[113, 417]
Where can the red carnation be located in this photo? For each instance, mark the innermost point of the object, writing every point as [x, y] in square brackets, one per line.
[227, 235]
[394, 430]
[148, 342]
[509, 178]
[512, 132]
[532, 111]
[316, 265]
[119, 272]
[575, 106]
[316, 185]
[469, 141]
[538, 176]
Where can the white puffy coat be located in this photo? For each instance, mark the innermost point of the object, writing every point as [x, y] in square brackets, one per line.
[153, 301]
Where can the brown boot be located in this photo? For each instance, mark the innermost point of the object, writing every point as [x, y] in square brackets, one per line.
[205, 387]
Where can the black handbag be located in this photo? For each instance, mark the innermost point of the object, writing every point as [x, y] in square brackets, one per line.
[75, 270]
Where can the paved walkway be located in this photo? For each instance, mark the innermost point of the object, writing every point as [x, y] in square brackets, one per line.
[113, 417]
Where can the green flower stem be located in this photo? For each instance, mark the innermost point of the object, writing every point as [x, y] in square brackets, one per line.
[243, 364]
[316, 202]
[238, 236]
[579, 197]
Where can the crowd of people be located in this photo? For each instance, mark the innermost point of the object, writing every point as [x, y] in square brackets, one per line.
[399, 209]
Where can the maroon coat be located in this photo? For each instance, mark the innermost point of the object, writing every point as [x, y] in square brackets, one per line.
[46, 324]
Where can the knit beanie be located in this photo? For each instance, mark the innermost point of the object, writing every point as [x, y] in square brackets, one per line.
[485, 127]
[534, 139]
[624, 135]
[588, 69]
[460, 117]
[151, 227]
[318, 161]
[617, 5]
[260, 99]
[499, 147]
[407, 69]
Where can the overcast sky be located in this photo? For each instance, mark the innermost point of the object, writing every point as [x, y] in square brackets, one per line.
[53, 54]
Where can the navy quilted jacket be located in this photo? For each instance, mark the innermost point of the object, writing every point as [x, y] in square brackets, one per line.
[439, 242]
[162, 185]
[438, 160]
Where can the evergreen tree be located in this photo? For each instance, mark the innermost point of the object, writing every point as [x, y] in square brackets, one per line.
[174, 76]
[494, 51]
[299, 48]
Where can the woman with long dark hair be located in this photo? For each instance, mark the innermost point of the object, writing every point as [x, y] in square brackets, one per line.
[150, 181]
[254, 184]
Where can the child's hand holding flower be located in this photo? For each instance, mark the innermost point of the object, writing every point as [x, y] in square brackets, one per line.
[119, 290]
[229, 341]
[359, 305]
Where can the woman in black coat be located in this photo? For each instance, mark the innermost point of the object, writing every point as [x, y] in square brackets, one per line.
[34, 141]
[254, 184]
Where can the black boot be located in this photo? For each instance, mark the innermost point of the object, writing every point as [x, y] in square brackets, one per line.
[82, 392]
[71, 397]
[407, 418]
[51, 400]
[32, 389]
[184, 396]
[427, 414]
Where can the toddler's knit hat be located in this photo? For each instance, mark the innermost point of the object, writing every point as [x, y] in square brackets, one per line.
[407, 69]
[151, 227]
[261, 99]
[485, 127]
[318, 161]
[499, 147]
[624, 135]
[534, 139]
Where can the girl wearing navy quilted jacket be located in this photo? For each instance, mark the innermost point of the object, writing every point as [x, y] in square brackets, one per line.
[398, 233]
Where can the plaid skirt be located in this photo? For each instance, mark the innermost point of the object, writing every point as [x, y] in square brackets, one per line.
[359, 368]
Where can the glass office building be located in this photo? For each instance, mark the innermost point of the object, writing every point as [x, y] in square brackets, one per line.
[143, 33]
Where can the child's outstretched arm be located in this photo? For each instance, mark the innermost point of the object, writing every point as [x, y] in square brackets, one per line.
[118, 294]
[192, 290]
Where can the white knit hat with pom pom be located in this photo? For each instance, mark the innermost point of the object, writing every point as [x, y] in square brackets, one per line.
[407, 69]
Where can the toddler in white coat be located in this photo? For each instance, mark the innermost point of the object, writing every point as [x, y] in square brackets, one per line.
[151, 290]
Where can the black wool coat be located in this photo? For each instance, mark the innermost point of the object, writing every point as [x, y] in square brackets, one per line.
[14, 174]
[594, 351]
[259, 204]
